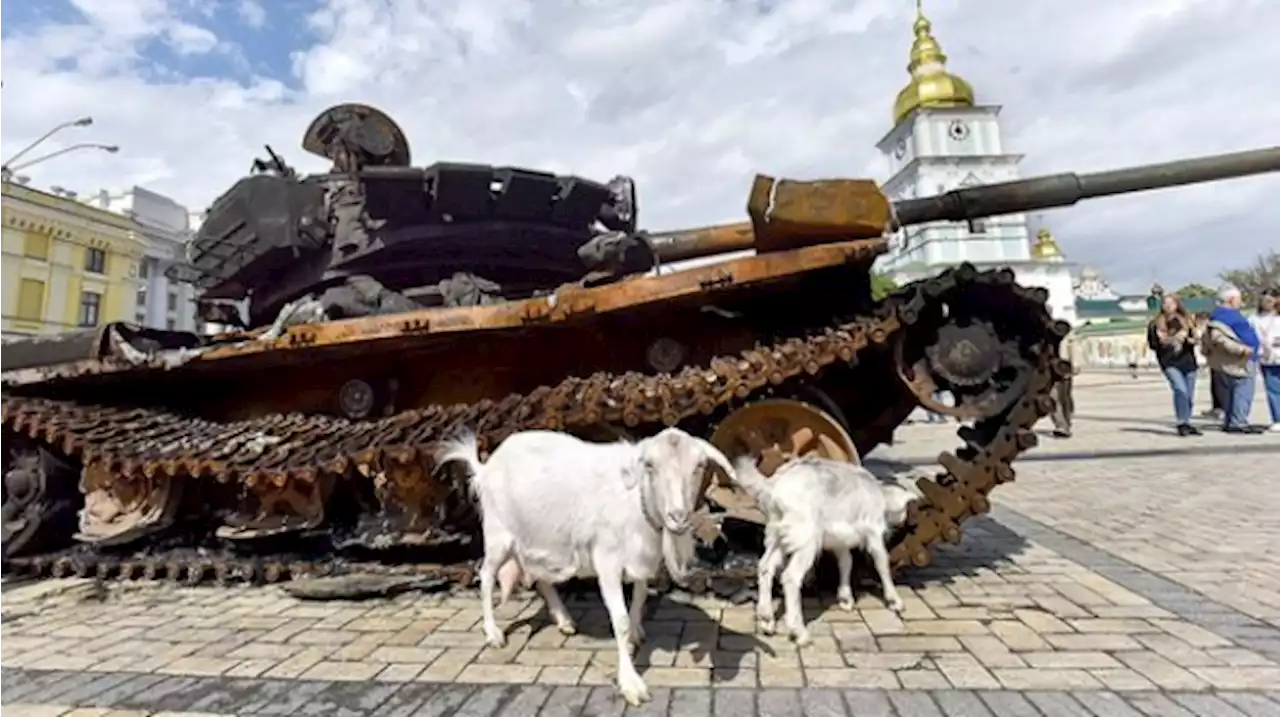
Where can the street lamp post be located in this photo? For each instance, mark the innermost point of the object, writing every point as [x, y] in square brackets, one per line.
[109, 148]
[8, 167]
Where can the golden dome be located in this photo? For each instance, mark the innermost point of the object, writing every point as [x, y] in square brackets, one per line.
[1045, 247]
[931, 85]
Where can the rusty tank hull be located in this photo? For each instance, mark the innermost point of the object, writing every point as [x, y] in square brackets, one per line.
[281, 450]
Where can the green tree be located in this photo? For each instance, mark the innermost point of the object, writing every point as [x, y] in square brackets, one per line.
[882, 285]
[1263, 274]
[1196, 291]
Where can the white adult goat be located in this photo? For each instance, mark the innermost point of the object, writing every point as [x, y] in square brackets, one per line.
[554, 507]
[812, 504]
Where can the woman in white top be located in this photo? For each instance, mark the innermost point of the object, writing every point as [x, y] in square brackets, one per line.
[1267, 324]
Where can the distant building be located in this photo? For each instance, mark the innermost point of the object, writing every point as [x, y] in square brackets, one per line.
[166, 227]
[66, 265]
[1090, 286]
[943, 140]
[1113, 327]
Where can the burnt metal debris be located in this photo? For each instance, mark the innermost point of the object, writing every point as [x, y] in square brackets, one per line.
[374, 310]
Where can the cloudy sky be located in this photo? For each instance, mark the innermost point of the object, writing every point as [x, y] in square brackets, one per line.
[691, 97]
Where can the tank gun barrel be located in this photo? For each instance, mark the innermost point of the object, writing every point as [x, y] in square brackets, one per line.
[1064, 190]
[1056, 190]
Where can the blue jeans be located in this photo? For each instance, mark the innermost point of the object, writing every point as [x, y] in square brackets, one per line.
[1183, 383]
[1271, 385]
[1239, 400]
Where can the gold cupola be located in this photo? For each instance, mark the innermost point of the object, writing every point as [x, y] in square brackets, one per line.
[931, 85]
[1046, 247]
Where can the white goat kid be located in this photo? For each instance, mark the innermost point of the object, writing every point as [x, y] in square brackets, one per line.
[812, 504]
[554, 507]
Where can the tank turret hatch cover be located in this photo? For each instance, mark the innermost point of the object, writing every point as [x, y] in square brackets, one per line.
[368, 129]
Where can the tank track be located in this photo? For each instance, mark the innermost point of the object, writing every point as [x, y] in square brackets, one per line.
[155, 442]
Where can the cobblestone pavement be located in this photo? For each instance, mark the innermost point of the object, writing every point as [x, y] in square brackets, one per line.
[1126, 572]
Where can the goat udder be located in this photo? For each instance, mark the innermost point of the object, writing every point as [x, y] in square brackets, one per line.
[509, 575]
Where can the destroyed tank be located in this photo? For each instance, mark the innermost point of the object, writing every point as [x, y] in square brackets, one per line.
[370, 312]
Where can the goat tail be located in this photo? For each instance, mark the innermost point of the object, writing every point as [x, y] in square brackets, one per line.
[752, 480]
[464, 448]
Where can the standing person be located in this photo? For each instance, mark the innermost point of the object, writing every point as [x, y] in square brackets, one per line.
[1217, 381]
[1064, 403]
[1231, 345]
[1171, 334]
[1267, 324]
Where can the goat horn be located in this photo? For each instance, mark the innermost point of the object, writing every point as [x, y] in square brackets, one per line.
[715, 456]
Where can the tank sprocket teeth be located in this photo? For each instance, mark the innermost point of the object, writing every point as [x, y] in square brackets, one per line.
[196, 572]
[62, 567]
[106, 569]
[1027, 439]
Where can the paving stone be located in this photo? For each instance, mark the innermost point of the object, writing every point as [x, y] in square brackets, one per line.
[961, 703]
[1106, 704]
[1207, 705]
[868, 703]
[1254, 705]
[1057, 704]
[406, 700]
[819, 703]
[1009, 704]
[732, 702]
[916, 704]
[1156, 704]
[444, 701]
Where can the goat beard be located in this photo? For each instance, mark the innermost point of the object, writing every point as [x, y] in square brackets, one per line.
[677, 553]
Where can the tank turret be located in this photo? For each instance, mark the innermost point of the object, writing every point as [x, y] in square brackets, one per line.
[376, 235]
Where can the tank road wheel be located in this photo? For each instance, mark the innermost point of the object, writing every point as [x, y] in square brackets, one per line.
[120, 508]
[775, 430]
[40, 498]
[275, 506]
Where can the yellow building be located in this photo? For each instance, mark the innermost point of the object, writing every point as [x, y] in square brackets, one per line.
[67, 265]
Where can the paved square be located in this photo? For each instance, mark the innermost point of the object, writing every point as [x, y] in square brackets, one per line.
[1126, 572]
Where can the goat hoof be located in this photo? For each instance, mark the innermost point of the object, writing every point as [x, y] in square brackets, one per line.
[895, 604]
[802, 638]
[567, 628]
[846, 604]
[636, 634]
[633, 689]
[766, 626]
[495, 639]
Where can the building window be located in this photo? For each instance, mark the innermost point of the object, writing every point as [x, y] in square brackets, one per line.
[95, 260]
[977, 226]
[170, 323]
[173, 301]
[31, 300]
[142, 296]
[35, 246]
[144, 268]
[140, 319]
[90, 307]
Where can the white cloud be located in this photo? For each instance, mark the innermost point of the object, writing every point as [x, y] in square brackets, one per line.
[252, 13]
[692, 97]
